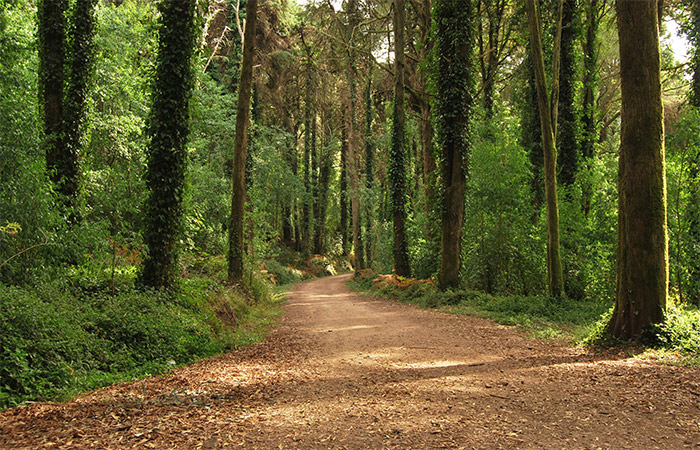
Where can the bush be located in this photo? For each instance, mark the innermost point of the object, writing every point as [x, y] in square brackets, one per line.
[59, 338]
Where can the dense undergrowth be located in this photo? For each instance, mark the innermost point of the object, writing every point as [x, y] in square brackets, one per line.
[575, 321]
[64, 336]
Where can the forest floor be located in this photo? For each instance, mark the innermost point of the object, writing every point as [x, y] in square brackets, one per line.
[344, 371]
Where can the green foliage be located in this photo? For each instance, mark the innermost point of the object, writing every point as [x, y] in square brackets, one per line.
[504, 250]
[58, 338]
[25, 191]
[680, 333]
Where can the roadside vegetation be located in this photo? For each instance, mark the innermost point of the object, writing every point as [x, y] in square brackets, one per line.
[578, 322]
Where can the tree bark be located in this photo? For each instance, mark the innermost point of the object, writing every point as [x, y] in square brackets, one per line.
[344, 189]
[236, 251]
[568, 122]
[353, 155]
[453, 80]
[369, 170]
[398, 152]
[554, 266]
[693, 206]
[51, 28]
[590, 69]
[168, 130]
[642, 253]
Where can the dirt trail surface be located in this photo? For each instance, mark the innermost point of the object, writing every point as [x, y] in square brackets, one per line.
[343, 371]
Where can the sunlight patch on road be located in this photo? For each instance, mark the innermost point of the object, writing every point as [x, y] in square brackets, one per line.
[332, 329]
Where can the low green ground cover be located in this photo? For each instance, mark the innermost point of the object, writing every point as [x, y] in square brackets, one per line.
[62, 337]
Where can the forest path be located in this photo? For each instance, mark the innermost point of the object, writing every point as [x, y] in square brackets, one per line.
[344, 371]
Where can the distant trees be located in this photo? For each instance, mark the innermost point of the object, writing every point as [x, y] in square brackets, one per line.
[168, 129]
[642, 254]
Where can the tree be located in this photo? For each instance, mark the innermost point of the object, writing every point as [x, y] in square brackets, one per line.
[590, 70]
[168, 129]
[642, 253]
[453, 104]
[397, 171]
[369, 168]
[548, 120]
[52, 35]
[692, 30]
[236, 251]
[491, 50]
[64, 89]
[568, 158]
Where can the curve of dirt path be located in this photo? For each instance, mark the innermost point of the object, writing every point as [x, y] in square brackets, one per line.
[343, 371]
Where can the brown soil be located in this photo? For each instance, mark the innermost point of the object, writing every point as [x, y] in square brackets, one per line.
[344, 371]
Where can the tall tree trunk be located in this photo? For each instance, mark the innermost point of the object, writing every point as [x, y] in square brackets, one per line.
[453, 79]
[326, 166]
[568, 123]
[168, 130]
[532, 138]
[369, 170]
[235, 251]
[642, 247]
[353, 155]
[306, 199]
[397, 171]
[51, 28]
[80, 59]
[693, 206]
[590, 70]
[344, 189]
[315, 202]
[547, 122]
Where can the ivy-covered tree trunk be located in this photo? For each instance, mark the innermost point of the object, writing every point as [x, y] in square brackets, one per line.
[315, 188]
[369, 169]
[547, 123]
[590, 70]
[642, 248]
[453, 24]
[568, 157]
[344, 189]
[51, 28]
[167, 130]
[532, 137]
[324, 177]
[306, 232]
[240, 143]
[397, 156]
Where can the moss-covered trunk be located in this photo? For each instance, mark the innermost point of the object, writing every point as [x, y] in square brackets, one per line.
[642, 253]
[547, 123]
[240, 143]
[397, 156]
[168, 130]
[453, 79]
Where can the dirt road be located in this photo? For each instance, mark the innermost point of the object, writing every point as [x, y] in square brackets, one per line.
[344, 371]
